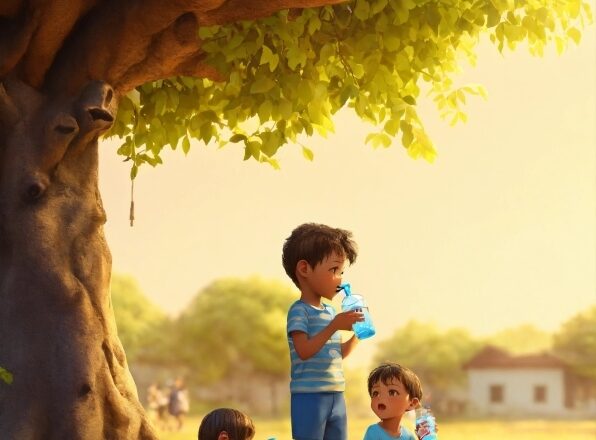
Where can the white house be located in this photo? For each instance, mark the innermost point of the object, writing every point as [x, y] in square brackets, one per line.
[528, 385]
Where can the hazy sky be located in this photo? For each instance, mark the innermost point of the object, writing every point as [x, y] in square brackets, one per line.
[499, 231]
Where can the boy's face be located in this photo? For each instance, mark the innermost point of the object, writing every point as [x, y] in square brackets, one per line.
[391, 400]
[325, 277]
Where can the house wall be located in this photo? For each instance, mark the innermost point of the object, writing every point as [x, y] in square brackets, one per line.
[518, 391]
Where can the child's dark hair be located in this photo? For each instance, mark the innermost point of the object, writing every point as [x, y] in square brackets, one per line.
[313, 242]
[390, 370]
[237, 424]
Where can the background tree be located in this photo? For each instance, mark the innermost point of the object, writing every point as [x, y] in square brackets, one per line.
[435, 355]
[576, 343]
[139, 321]
[234, 330]
[66, 66]
[522, 339]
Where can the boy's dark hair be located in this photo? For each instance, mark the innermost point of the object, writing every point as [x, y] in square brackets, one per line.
[390, 370]
[313, 242]
[237, 424]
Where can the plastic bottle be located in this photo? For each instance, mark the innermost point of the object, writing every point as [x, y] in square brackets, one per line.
[362, 329]
[426, 428]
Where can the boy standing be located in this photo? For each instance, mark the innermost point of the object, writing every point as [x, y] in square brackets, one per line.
[393, 390]
[314, 257]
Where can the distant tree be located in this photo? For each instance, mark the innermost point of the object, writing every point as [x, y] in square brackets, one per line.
[435, 355]
[138, 319]
[522, 339]
[576, 343]
[235, 328]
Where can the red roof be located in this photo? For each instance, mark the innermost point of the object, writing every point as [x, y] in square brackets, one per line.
[493, 357]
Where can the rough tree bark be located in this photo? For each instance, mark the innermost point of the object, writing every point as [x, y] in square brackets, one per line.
[63, 67]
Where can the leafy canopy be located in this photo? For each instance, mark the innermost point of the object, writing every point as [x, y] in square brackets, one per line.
[523, 339]
[243, 322]
[139, 321]
[576, 343]
[435, 355]
[285, 76]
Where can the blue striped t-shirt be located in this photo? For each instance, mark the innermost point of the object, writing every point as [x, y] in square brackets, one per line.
[322, 372]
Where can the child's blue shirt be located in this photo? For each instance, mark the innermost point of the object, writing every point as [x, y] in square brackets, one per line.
[322, 372]
[375, 432]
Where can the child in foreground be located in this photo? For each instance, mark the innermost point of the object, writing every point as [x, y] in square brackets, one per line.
[226, 424]
[393, 390]
[314, 257]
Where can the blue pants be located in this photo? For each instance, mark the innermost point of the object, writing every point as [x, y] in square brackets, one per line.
[319, 416]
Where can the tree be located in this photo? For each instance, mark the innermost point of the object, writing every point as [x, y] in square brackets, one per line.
[243, 321]
[138, 320]
[436, 356]
[522, 340]
[576, 343]
[66, 66]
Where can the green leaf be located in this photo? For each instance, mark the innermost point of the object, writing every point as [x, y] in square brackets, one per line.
[307, 153]
[391, 42]
[314, 24]
[266, 55]
[6, 376]
[238, 138]
[264, 111]
[285, 108]
[206, 32]
[392, 126]
[305, 91]
[296, 57]
[410, 100]
[133, 172]
[253, 148]
[574, 34]
[160, 102]
[262, 85]
[185, 145]
[362, 10]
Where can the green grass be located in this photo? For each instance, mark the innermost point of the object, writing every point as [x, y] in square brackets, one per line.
[448, 430]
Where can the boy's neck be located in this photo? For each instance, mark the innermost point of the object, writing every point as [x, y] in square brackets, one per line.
[310, 298]
[392, 426]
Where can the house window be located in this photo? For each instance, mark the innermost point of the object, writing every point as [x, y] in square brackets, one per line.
[496, 394]
[539, 393]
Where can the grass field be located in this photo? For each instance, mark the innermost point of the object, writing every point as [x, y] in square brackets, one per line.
[449, 430]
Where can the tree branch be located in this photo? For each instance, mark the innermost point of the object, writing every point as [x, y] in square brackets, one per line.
[60, 46]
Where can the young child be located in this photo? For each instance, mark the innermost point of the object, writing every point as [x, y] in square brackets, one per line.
[314, 257]
[226, 424]
[393, 390]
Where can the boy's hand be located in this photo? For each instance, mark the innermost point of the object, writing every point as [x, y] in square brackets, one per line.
[345, 320]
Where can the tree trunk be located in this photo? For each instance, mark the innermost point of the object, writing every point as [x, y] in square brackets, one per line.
[57, 331]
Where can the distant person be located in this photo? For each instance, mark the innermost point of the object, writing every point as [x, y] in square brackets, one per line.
[393, 390]
[226, 424]
[163, 401]
[179, 402]
[152, 400]
[157, 402]
[314, 257]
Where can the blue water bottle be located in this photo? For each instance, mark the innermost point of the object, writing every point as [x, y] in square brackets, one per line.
[426, 428]
[362, 329]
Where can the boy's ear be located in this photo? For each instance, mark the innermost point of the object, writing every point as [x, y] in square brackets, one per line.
[223, 436]
[302, 268]
[414, 403]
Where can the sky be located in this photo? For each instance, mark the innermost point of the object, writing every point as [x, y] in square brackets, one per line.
[499, 231]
